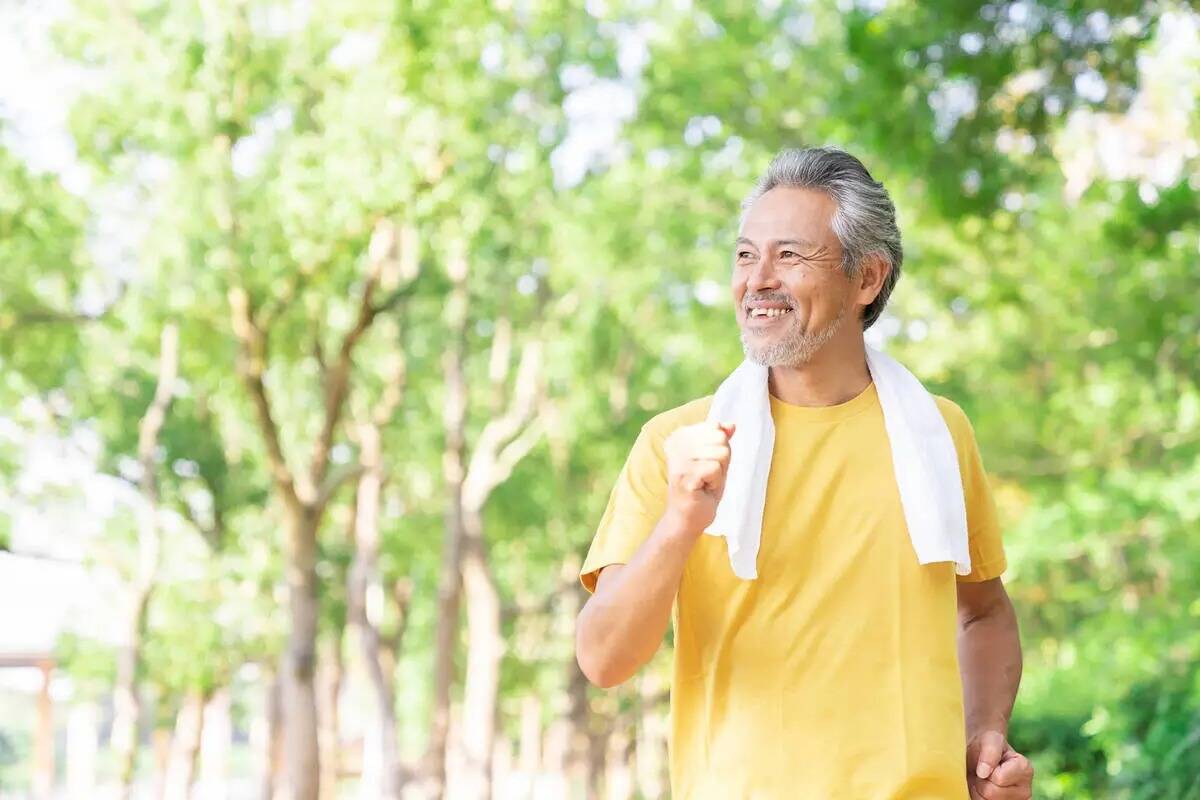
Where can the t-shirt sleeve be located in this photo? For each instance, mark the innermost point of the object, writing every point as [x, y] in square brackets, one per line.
[634, 507]
[983, 526]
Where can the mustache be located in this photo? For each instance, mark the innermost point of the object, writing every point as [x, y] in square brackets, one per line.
[775, 297]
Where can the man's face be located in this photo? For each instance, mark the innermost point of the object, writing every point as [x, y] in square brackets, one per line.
[789, 290]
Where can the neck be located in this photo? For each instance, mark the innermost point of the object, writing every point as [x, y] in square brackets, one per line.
[835, 374]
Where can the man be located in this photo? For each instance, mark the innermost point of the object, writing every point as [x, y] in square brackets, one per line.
[846, 669]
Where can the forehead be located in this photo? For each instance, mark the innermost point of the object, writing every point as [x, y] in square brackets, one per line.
[786, 212]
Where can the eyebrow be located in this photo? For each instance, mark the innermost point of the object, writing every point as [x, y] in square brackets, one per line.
[802, 243]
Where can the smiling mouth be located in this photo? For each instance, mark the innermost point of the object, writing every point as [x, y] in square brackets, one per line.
[767, 314]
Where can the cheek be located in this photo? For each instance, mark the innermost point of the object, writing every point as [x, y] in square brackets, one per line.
[815, 288]
[737, 288]
[800, 287]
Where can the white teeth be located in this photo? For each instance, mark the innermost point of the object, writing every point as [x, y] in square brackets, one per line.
[768, 312]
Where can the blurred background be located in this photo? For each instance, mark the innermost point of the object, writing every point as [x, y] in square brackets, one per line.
[325, 328]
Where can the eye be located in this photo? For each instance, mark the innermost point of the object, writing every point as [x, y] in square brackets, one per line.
[788, 254]
[744, 254]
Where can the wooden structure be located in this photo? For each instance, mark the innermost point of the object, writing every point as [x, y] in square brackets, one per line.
[43, 734]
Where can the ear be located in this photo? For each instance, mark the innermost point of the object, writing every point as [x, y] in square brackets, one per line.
[868, 281]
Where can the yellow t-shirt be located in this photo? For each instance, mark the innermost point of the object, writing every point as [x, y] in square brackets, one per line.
[835, 673]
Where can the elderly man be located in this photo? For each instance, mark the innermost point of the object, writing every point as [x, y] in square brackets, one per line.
[815, 655]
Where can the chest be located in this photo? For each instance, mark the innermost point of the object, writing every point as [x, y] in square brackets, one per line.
[832, 523]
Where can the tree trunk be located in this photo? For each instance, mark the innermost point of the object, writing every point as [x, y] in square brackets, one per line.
[652, 736]
[304, 494]
[389, 647]
[529, 745]
[83, 733]
[381, 766]
[329, 731]
[301, 751]
[161, 740]
[594, 765]
[586, 745]
[271, 742]
[215, 746]
[555, 778]
[454, 467]
[185, 747]
[618, 776]
[126, 703]
[125, 735]
[485, 649]
[502, 768]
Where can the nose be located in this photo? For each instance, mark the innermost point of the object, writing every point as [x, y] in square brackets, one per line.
[763, 276]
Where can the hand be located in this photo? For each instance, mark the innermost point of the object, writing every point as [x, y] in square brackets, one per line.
[995, 771]
[697, 462]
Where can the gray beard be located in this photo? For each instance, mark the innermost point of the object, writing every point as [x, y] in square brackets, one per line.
[794, 349]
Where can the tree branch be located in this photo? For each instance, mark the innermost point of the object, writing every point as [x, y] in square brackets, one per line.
[152, 422]
[337, 382]
[251, 365]
[402, 591]
[335, 480]
[274, 306]
[516, 450]
[395, 298]
[393, 391]
[49, 316]
[507, 438]
[209, 532]
[149, 432]
[498, 363]
[381, 253]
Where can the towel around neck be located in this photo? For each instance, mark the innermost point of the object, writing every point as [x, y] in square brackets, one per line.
[923, 458]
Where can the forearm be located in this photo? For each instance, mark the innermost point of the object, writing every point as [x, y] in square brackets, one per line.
[623, 623]
[989, 654]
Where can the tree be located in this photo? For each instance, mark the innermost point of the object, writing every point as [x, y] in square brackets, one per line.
[149, 546]
[425, 282]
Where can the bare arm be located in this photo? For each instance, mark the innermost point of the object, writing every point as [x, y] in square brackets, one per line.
[989, 655]
[623, 623]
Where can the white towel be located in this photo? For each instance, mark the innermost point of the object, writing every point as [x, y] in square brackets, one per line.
[923, 458]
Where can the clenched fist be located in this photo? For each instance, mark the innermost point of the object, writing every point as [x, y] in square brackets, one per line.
[697, 462]
[995, 771]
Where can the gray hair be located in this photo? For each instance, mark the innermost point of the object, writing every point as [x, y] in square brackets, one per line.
[865, 219]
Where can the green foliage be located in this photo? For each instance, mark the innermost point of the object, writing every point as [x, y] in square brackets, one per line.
[91, 664]
[41, 248]
[262, 152]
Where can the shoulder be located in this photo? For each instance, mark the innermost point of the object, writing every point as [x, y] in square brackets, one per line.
[662, 425]
[956, 420]
[649, 453]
